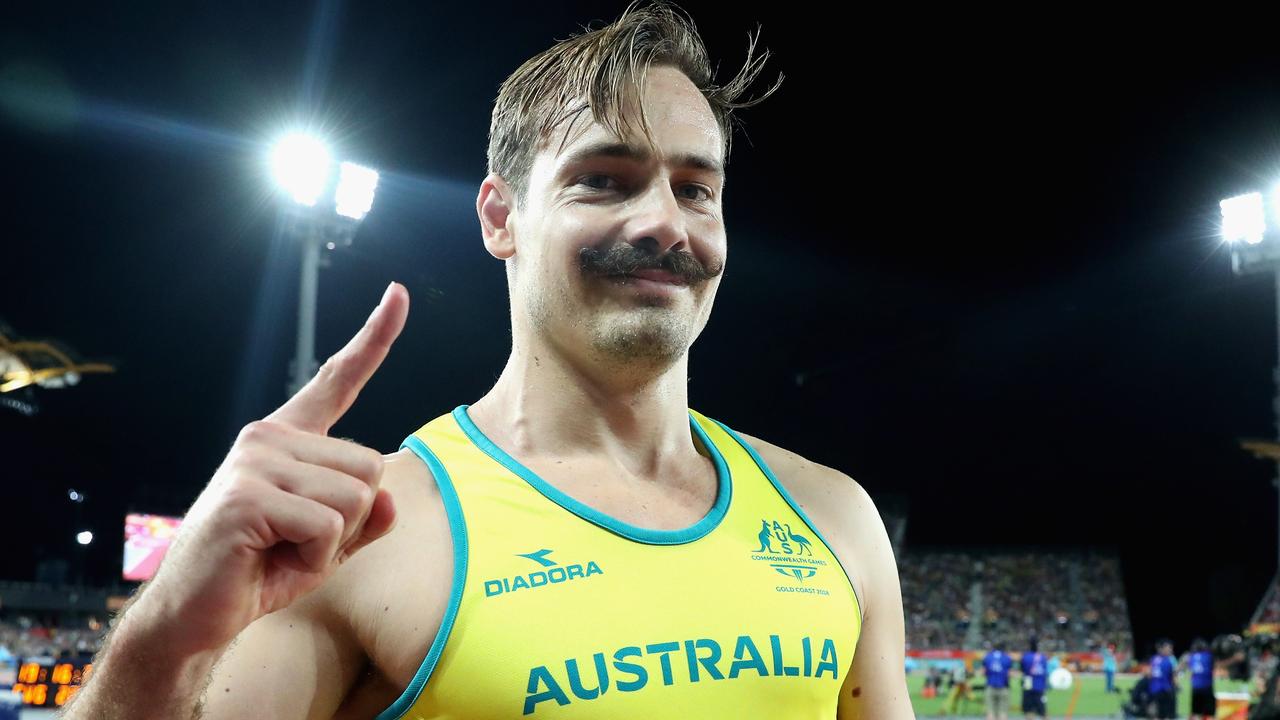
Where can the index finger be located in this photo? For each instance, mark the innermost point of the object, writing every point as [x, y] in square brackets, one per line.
[324, 400]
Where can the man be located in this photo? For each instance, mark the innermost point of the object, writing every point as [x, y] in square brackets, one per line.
[1140, 704]
[1204, 706]
[1035, 670]
[1109, 667]
[575, 541]
[1162, 681]
[995, 666]
[960, 690]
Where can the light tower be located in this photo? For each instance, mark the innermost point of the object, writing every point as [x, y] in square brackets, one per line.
[1255, 248]
[323, 210]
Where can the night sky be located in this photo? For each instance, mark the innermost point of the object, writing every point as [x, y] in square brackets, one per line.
[973, 263]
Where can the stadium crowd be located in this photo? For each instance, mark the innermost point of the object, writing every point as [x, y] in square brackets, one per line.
[935, 599]
[1106, 613]
[1070, 602]
[25, 637]
[1270, 612]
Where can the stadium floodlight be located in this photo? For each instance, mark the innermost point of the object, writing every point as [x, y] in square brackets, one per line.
[301, 165]
[84, 537]
[1243, 218]
[324, 215]
[356, 184]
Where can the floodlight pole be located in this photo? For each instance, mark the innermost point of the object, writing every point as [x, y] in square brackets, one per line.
[314, 229]
[304, 358]
[324, 215]
[1275, 406]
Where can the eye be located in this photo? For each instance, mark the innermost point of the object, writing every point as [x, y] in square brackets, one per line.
[697, 193]
[598, 182]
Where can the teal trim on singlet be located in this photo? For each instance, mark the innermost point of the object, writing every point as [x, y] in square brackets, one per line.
[458, 529]
[699, 529]
[794, 506]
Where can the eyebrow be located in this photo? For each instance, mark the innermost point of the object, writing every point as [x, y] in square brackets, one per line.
[638, 154]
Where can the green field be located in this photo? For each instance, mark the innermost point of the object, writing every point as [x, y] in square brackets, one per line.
[1093, 701]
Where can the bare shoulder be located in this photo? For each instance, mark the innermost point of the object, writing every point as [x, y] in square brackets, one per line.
[813, 484]
[394, 613]
[838, 505]
[415, 495]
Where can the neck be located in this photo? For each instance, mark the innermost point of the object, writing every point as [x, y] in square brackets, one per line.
[548, 405]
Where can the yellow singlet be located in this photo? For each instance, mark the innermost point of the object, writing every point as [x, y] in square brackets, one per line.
[561, 611]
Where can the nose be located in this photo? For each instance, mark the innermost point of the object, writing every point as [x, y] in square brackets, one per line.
[658, 224]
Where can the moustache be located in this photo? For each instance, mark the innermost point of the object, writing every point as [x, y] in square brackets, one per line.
[624, 259]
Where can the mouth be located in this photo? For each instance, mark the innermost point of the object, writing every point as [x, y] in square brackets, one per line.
[655, 277]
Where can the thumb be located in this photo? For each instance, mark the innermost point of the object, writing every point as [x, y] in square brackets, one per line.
[381, 520]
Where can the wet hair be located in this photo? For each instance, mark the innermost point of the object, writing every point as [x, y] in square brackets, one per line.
[602, 71]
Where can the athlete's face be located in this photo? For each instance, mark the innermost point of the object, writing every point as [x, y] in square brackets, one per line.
[600, 209]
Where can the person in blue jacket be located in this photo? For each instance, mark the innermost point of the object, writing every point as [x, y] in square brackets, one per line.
[1035, 670]
[1204, 706]
[996, 666]
[1163, 690]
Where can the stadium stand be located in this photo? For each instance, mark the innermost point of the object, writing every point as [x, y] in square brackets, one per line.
[25, 637]
[1268, 611]
[1072, 602]
[936, 598]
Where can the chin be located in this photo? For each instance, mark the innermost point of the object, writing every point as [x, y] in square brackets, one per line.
[653, 342]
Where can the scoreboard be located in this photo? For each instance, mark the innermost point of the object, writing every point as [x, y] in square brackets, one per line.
[50, 683]
[146, 539]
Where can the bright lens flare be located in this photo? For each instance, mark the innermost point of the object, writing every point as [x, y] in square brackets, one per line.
[1243, 218]
[300, 164]
[356, 184]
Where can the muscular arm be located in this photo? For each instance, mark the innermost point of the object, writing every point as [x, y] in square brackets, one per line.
[294, 664]
[306, 661]
[877, 683]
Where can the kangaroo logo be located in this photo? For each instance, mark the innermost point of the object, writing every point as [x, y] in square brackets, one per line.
[766, 537]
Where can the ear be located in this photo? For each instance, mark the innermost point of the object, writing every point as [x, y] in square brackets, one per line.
[495, 206]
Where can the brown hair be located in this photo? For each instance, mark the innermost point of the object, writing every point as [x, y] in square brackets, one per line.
[606, 66]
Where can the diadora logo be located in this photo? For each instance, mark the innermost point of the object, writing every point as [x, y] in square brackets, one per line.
[554, 574]
[539, 557]
[789, 554]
